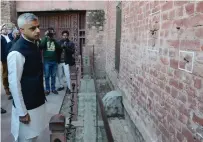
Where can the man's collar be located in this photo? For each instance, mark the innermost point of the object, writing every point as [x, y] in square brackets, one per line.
[27, 39]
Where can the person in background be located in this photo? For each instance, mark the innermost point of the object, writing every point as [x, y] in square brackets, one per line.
[10, 29]
[4, 52]
[65, 60]
[50, 49]
[16, 36]
[25, 73]
[3, 58]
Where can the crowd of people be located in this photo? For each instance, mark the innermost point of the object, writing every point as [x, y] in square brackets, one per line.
[26, 59]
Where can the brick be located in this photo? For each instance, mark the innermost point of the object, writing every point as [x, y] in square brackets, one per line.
[164, 138]
[195, 21]
[192, 103]
[197, 83]
[182, 23]
[166, 25]
[165, 123]
[165, 61]
[153, 72]
[199, 7]
[140, 79]
[180, 137]
[166, 33]
[161, 84]
[173, 43]
[172, 53]
[183, 119]
[179, 12]
[178, 74]
[173, 139]
[200, 96]
[167, 5]
[157, 90]
[190, 45]
[174, 93]
[189, 8]
[156, 9]
[174, 112]
[187, 78]
[170, 72]
[187, 134]
[162, 77]
[182, 64]
[141, 3]
[156, 3]
[161, 34]
[163, 69]
[172, 15]
[180, 86]
[171, 130]
[182, 97]
[174, 122]
[163, 130]
[165, 51]
[183, 109]
[174, 63]
[190, 91]
[165, 16]
[180, 3]
[199, 33]
[200, 107]
[197, 119]
[167, 107]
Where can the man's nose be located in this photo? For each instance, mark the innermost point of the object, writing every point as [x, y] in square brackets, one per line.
[37, 30]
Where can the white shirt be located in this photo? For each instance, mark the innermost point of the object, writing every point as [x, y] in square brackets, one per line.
[7, 38]
[15, 61]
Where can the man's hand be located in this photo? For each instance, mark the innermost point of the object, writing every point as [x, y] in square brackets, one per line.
[46, 32]
[25, 119]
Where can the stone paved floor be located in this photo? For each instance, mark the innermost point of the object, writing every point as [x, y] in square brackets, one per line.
[53, 106]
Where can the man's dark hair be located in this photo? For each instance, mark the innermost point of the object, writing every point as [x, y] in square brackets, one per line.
[57, 140]
[50, 33]
[63, 32]
[50, 29]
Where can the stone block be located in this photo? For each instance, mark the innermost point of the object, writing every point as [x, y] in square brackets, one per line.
[113, 104]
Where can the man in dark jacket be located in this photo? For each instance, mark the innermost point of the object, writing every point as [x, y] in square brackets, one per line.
[65, 60]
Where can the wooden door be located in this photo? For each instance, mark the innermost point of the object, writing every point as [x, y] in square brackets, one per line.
[60, 22]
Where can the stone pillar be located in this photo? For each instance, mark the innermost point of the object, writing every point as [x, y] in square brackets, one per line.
[57, 128]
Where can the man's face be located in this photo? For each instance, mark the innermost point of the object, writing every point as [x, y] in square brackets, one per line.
[31, 30]
[4, 31]
[9, 30]
[65, 36]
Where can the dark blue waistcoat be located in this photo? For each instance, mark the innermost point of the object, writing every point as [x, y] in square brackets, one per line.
[32, 77]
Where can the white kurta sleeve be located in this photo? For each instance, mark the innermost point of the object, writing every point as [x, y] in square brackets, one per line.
[15, 61]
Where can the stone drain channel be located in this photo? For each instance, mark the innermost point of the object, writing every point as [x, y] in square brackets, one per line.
[87, 128]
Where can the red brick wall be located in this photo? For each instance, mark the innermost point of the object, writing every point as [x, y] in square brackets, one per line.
[23, 6]
[161, 79]
[8, 12]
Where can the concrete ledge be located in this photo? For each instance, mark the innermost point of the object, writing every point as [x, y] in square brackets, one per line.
[138, 123]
